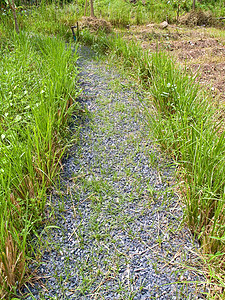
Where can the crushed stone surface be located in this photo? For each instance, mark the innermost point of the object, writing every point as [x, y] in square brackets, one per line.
[117, 225]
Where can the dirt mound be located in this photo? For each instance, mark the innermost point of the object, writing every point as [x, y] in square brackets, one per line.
[94, 24]
[197, 18]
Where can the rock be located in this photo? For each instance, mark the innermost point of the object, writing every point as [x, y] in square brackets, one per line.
[163, 25]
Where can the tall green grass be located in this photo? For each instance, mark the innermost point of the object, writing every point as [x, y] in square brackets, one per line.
[37, 91]
[184, 125]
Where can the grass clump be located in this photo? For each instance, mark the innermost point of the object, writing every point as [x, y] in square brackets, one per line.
[37, 91]
[184, 125]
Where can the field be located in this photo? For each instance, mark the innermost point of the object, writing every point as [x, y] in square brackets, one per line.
[181, 68]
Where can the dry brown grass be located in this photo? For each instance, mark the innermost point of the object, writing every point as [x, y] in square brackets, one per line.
[12, 265]
[94, 24]
[197, 18]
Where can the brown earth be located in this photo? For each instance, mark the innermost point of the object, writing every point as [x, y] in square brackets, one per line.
[194, 48]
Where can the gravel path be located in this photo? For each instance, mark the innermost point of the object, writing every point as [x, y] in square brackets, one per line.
[119, 228]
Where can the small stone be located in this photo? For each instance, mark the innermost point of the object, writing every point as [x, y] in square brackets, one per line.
[163, 25]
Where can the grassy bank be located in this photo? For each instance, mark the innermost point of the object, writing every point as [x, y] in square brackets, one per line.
[37, 93]
[183, 125]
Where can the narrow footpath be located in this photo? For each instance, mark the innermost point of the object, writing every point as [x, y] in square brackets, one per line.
[118, 231]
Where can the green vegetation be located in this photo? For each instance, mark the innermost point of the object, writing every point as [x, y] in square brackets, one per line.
[37, 92]
[55, 16]
[37, 78]
[121, 12]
